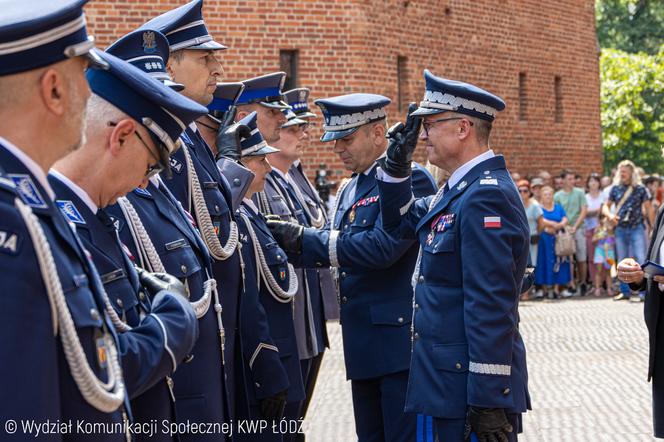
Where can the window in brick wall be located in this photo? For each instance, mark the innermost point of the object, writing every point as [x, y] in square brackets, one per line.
[289, 60]
[558, 90]
[402, 83]
[523, 98]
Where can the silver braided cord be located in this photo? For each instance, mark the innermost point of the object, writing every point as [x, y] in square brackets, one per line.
[146, 247]
[105, 397]
[263, 269]
[334, 271]
[203, 219]
[317, 221]
[416, 272]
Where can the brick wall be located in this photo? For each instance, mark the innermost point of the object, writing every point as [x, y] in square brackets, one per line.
[352, 46]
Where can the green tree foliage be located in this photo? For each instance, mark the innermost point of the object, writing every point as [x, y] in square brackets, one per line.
[631, 25]
[633, 108]
[631, 34]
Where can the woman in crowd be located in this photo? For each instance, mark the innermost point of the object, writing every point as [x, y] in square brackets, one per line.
[534, 214]
[594, 199]
[551, 271]
[630, 201]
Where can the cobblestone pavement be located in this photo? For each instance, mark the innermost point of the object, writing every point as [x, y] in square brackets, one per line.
[587, 360]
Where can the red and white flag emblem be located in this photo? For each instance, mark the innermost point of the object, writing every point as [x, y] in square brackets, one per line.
[492, 222]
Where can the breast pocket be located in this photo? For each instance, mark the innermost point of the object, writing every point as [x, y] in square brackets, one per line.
[119, 290]
[179, 259]
[444, 242]
[279, 207]
[441, 262]
[364, 217]
[81, 302]
[214, 199]
[277, 261]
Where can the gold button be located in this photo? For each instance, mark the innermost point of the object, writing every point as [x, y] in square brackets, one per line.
[94, 314]
[183, 268]
[458, 365]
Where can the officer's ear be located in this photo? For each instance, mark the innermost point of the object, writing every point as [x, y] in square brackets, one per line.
[120, 135]
[378, 134]
[241, 113]
[52, 86]
[463, 128]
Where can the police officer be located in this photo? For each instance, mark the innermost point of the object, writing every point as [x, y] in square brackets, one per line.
[468, 366]
[120, 154]
[374, 269]
[57, 333]
[199, 186]
[269, 273]
[263, 96]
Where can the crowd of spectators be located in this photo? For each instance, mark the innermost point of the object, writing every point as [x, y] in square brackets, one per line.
[608, 217]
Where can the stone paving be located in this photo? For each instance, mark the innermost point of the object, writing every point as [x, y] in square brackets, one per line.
[587, 360]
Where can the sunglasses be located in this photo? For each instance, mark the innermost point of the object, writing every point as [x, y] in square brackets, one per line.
[524, 190]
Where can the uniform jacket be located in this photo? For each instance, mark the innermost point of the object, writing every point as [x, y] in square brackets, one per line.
[308, 308]
[39, 368]
[466, 348]
[374, 276]
[279, 314]
[218, 201]
[328, 286]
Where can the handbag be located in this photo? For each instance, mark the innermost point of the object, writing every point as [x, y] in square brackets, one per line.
[565, 243]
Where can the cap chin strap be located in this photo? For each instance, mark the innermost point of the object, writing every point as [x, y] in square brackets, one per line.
[161, 134]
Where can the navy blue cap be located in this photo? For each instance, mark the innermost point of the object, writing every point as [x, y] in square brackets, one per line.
[43, 32]
[298, 100]
[255, 144]
[184, 28]
[164, 112]
[225, 96]
[265, 90]
[291, 118]
[443, 95]
[147, 50]
[345, 113]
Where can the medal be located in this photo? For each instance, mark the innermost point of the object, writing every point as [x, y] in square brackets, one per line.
[351, 216]
[430, 238]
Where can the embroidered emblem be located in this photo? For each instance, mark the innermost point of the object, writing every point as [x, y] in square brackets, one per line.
[492, 222]
[176, 166]
[282, 275]
[149, 42]
[70, 211]
[117, 223]
[489, 181]
[461, 185]
[28, 191]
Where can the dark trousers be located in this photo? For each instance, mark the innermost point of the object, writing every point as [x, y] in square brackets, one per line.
[453, 430]
[378, 405]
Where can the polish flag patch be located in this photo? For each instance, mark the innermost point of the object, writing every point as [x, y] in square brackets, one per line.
[492, 222]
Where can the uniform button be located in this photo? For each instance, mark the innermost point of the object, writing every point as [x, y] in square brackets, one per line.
[319, 264]
[188, 359]
[416, 336]
[141, 295]
[183, 268]
[417, 306]
[343, 274]
[458, 365]
[346, 226]
[258, 385]
[400, 320]
[421, 278]
[279, 257]
[119, 302]
[216, 208]
[344, 299]
[236, 182]
[94, 314]
[506, 391]
[364, 221]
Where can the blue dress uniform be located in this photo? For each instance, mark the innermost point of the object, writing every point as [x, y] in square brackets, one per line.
[316, 208]
[203, 192]
[271, 279]
[67, 367]
[467, 350]
[374, 281]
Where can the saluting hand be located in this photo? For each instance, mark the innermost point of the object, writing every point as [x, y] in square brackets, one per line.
[630, 272]
[402, 143]
[229, 136]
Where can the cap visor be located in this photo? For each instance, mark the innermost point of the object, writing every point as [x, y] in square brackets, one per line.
[94, 60]
[337, 134]
[262, 151]
[293, 122]
[177, 87]
[420, 111]
[208, 46]
[306, 115]
[275, 104]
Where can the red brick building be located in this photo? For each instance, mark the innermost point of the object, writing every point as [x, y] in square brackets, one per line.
[541, 57]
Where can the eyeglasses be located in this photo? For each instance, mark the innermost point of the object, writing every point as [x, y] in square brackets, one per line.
[153, 169]
[524, 190]
[426, 125]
